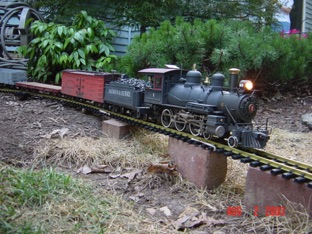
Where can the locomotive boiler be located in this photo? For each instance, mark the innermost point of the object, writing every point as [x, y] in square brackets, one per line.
[214, 111]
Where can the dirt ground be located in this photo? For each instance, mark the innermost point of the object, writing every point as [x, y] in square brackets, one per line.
[27, 124]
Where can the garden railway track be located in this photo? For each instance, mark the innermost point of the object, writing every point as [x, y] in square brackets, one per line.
[277, 165]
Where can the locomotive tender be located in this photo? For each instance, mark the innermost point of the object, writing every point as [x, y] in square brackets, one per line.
[163, 96]
[188, 105]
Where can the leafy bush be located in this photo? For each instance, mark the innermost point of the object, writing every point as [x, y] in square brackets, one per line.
[85, 45]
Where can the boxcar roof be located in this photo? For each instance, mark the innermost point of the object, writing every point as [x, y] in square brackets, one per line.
[158, 70]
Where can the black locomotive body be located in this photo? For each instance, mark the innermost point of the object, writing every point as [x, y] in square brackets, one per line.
[188, 105]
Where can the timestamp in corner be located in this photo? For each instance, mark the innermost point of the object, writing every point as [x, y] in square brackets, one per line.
[269, 211]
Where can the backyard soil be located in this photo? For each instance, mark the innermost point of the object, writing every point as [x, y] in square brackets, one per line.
[25, 123]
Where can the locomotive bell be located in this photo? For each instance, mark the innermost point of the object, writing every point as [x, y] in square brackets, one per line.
[193, 77]
[217, 80]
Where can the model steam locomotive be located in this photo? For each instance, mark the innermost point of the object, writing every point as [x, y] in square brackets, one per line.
[187, 105]
[164, 96]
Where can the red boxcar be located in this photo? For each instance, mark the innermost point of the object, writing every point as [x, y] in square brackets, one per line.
[86, 84]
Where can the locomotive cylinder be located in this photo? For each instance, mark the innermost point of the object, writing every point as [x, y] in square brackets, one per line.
[233, 78]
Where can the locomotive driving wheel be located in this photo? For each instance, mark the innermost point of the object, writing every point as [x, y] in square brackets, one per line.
[206, 135]
[179, 123]
[167, 118]
[194, 128]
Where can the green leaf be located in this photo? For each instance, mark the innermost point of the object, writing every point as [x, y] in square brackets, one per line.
[36, 40]
[59, 45]
[41, 28]
[60, 30]
[45, 43]
[90, 32]
[71, 31]
[67, 40]
[64, 58]
[46, 50]
[76, 56]
[83, 61]
[81, 53]
[84, 13]
[108, 60]
[105, 49]
[94, 49]
[79, 37]
[57, 77]
[42, 60]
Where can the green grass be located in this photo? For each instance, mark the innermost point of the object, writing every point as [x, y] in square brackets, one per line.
[42, 201]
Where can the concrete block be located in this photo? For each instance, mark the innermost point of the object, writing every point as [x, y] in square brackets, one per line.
[265, 191]
[116, 129]
[204, 168]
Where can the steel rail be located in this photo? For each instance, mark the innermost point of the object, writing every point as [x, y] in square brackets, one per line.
[299, 169]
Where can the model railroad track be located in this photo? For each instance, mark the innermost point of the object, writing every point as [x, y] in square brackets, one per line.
[289, 169]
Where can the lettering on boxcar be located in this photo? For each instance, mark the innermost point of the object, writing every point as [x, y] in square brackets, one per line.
[119, 92]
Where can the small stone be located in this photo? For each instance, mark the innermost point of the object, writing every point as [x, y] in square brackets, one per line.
[307, 119]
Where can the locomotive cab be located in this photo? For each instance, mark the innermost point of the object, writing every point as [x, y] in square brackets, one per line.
[159, 81]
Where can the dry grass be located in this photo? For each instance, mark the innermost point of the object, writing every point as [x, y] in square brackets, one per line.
[146, 148]
[74, 153]
[293, 145]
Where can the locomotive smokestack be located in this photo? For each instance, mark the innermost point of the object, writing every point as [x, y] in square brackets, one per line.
[233, 78]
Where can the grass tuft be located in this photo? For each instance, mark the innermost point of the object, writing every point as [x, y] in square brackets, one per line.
[41, 201]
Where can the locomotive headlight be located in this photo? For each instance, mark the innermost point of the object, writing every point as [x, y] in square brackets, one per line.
[246, 85]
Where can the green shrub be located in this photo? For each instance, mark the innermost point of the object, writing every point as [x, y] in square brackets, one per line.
[85, 45]
[260, 54]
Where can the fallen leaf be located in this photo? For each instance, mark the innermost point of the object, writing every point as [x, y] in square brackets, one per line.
[131, 175]
[212, 221]
[136, 197]
[151, 211]
[84, 170]
[114, 176]
[185, 216]
[101, 166]
[63, 132]
[191, 218]
[165, 210]
[189, 211]
[166, 168]
[60, 132]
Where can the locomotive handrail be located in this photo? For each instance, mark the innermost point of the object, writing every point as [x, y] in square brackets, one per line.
[230, 114]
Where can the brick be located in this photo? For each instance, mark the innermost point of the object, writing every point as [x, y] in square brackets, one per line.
[116, 129]
[204, 168]
[265, 191]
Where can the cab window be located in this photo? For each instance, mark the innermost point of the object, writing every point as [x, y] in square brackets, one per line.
[157, 82]
[150, 81]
